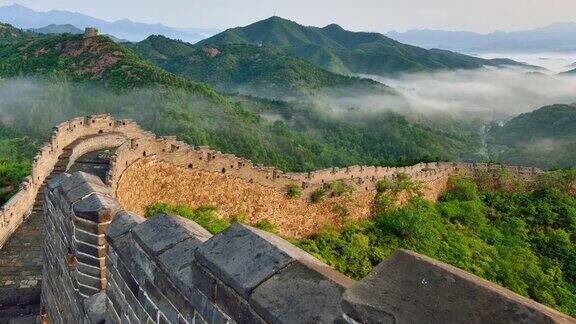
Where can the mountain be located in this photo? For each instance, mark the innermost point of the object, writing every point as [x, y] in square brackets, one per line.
[9, 34]
[92, 59]
[266, 71]
[58, 29]
[346, 52]
[26, 18]
[555, 37]
[50, 78]
[545, 137]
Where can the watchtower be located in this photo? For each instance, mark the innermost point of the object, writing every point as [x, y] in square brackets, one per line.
[90, 32]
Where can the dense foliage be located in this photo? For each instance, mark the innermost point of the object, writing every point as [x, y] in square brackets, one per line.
[9, 34]
[291, 136]
[522, 237]
[89, 60]
[263, 70]
[16, 151]
[545, 137]
[346, 52]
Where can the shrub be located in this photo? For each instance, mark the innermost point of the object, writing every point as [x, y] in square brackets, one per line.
[204, 215]
[339, 188]
[317, 195]
[294, 191]
[266, 225]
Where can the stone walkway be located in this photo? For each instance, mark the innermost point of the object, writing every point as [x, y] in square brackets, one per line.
[21, 256]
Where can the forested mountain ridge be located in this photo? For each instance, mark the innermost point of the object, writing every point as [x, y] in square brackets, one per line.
[51, 78]
[341, 51]
[545, 137]
[88, 59]
[264, 70]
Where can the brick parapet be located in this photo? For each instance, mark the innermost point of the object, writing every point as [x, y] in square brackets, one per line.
[169, 269]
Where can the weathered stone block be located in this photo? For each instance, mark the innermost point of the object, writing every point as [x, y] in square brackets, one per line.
[122, 223]
[299, 294]
[411, 288]
[96, 208]
[95, 307]
[83, 190]
[243, 257]
[78, 178]
[203, 280]
[56, 181]
[89, 226]
[163, 231]
[235, 305]
[89, 238]
[180, 255]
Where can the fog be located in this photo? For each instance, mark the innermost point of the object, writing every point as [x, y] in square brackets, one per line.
[554, 62]
[495, 94]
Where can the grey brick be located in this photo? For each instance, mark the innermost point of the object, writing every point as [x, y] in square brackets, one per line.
[163, 231]
[123, 222]
[243, 257]
[298, 294]
[96, 208]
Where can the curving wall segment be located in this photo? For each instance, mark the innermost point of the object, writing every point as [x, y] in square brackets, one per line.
[100, 131]
[71, 138]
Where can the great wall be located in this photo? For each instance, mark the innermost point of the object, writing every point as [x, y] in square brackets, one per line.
[102, 261]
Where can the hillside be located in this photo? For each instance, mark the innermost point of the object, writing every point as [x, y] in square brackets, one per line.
[58, 29]
[545, 137]
[266, 70]
[9, 34]
[346, 52]
[55, 77]
[93, 59]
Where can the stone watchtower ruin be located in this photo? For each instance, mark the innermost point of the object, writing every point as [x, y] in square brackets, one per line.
[90, 32]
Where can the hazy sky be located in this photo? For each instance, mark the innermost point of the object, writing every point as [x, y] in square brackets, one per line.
[368, 15]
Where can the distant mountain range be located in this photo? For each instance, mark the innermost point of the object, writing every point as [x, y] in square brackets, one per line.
[58, 29]
[555, 37]
[69, 29]
[23, 17]
[346, 52]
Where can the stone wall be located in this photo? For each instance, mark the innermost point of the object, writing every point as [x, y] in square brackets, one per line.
[166, 269]
[92, 132]
[77, 211]
[138, 144]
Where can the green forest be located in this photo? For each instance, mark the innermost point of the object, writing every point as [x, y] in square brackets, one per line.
[341, 51]
[263, 70]
[514, 233]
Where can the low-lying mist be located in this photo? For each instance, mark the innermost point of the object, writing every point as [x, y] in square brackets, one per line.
[495, 94]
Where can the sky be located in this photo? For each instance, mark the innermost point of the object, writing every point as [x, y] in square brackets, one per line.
[361, 15]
